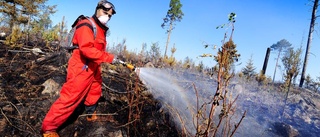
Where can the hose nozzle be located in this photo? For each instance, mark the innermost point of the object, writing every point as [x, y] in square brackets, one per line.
[129, 66]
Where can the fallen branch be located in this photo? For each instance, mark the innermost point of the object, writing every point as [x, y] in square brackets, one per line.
[13, 59]
[16, 109]
[35, 51]
[48, 57]
[18, 51]
[127, 123]
[10, 123]
[116, 91]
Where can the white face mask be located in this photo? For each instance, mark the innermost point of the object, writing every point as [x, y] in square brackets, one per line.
[104, 19]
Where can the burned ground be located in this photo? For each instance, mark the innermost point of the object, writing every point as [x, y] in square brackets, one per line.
[125, 109]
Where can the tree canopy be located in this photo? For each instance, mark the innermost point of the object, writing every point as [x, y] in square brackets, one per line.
[20, 11]
[26, 21]
[281, 45]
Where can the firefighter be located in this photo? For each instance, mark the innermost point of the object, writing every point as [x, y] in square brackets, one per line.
[83, 82]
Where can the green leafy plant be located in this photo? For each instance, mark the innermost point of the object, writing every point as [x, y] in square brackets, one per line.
[227, 55]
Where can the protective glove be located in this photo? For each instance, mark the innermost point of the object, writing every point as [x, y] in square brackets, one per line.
[115, 60]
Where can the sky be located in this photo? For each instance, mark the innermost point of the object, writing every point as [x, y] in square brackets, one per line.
[259, 24]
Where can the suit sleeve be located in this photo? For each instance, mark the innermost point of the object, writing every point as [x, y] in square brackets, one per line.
[85, 40]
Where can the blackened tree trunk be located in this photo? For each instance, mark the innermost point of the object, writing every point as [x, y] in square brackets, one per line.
[265, 64]
[311, 29]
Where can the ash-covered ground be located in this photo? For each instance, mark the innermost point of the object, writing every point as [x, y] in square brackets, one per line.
[31, 81]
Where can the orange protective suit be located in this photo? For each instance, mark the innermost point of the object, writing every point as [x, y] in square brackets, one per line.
[82, 85]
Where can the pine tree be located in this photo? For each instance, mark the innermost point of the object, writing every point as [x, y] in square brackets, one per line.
[200, 66]
[20, 11]
[249, 69]
[308, 81]
[188, 63]
[280, 46]
[173, 14]
[155, 54]
[23, 15]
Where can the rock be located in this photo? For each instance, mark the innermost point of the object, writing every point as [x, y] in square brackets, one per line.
[51, 87]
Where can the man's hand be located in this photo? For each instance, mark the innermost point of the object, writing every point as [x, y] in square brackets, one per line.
[115, 60]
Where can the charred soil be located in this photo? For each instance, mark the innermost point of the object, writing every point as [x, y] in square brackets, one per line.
[31, 81]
